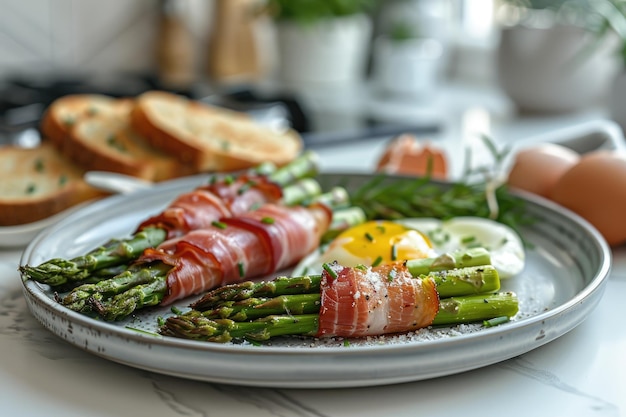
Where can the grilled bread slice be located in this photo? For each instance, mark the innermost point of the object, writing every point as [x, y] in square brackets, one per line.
[37, 183]
[107, 142]
[209, 138]
[64, 112]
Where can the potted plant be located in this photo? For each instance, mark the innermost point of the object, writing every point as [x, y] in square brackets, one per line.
[545, 60]
[321, 42]
[406, 63]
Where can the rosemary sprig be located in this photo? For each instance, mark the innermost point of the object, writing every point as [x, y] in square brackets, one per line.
[396, 198]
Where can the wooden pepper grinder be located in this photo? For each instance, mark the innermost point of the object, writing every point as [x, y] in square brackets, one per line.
[233, 55]
[175, 49]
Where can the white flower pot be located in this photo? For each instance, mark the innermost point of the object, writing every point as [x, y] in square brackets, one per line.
[543, 69]
[409, 68]
[332, 51]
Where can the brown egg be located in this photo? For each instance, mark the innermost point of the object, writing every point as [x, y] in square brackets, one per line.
[595, 188]
[538, 168]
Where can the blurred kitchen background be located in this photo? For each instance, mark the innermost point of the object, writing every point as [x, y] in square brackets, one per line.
[336, 70]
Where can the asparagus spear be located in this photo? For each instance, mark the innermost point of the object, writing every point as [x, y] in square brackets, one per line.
[195, 325]
[306, 165]
[137, 297]
[57, 271]
[81, 298]
[343, 219]
[474, 308]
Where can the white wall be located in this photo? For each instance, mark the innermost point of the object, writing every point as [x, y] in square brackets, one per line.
[92, 36]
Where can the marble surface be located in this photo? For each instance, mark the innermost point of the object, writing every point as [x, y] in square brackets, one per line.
[583, 373]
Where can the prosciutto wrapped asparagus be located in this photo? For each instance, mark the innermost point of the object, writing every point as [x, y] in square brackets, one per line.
[254, 244]
[349, 302]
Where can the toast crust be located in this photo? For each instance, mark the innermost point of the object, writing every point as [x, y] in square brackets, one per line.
[108, 143]
[64, 112]
[208, 137]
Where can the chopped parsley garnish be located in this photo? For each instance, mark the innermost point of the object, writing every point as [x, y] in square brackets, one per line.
[377, 261]
[267, 220]
[438, 236]
[114, 143]
[142, 331]
[39, 165]
[330, 270]
[468, 239]
[219, 225]
[496, 321]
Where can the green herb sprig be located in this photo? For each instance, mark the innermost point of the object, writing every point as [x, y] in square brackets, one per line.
[482, 192]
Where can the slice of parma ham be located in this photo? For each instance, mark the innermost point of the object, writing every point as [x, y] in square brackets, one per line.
[254, 244]
[371, 301]
[220, 199]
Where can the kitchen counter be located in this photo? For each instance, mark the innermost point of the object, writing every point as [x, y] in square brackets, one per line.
[582, 373]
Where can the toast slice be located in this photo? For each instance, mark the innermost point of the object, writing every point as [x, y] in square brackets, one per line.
[107, 142]
[64, 112]
[209, 138]
[38, 183]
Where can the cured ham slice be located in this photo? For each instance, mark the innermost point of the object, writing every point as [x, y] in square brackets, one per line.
[199, 208]
[371, 301]
[253, 244]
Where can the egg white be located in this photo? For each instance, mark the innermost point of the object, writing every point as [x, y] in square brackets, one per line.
[503, 243]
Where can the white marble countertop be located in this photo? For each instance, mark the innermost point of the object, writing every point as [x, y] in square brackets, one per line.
[583, 373]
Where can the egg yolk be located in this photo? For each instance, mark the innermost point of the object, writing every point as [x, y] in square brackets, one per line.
[379, 242]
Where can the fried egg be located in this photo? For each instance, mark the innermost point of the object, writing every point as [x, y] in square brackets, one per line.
[381, 241]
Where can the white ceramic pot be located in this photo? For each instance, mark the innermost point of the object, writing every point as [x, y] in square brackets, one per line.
[409, 68]
[332, 51]
[544, 69]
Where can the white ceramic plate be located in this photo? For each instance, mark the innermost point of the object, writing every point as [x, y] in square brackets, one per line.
[563, 281]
